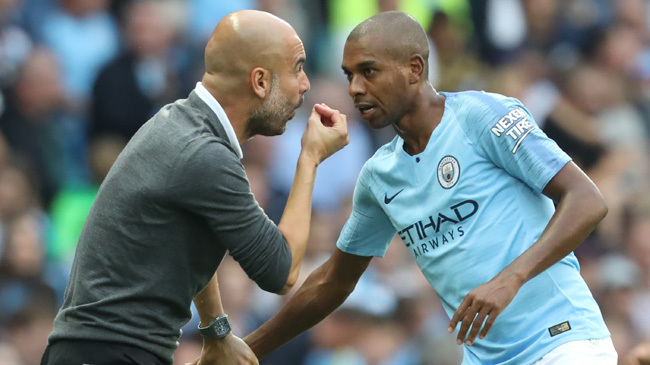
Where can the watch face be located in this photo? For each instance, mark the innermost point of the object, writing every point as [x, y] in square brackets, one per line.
[221, 327]
[217, 328]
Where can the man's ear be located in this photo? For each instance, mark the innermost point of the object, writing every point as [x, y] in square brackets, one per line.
[416, 68]
[261, 81]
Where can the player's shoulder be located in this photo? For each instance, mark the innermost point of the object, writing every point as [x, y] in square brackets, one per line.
[475, 111]
[480, 103]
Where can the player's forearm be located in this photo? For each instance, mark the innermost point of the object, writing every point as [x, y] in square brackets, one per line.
[295, 221]
[577, 215]
[315, 299]
[208, 302]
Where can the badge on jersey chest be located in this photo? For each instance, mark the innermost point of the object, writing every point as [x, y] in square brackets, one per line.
[448, 172]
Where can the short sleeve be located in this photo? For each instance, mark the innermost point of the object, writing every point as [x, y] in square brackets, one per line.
[210, 182]
[504, 130]
[368, 231]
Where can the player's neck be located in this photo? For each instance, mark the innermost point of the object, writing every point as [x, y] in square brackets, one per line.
[236, 107]
[417, 126]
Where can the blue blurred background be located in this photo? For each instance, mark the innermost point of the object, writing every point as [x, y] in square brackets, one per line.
[79, 77]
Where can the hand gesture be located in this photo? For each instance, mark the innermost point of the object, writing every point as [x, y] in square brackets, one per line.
[488, 300]
[229, 350]
[326, 133]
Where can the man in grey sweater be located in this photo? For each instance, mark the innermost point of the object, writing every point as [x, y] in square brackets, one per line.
[177, 199]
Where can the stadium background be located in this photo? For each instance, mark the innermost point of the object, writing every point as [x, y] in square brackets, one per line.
[78, 78]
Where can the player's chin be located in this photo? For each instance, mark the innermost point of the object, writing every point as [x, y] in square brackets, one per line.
[377, 123]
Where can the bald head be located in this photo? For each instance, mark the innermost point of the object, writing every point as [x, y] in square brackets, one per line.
[246, 39]
[398, 33]
[254, 68]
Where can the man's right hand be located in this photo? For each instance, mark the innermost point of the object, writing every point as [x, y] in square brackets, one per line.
[326, 133]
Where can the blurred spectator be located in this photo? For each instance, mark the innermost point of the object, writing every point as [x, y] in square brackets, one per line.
[364, 330]
[570, 122]
[619, 49]
[4, 151]
[28, 330]
[316, 18]
[18, 196]
[15, 45]
[561, 29]
[31, 123]
[131, 88]
[638, 249]
[72, 204]
[204, 14]
[31, 14]
[291, 11]
[619, 280]
[22, 268]
[345, 15]
[84, 37]
[457, 68]
[604, 134]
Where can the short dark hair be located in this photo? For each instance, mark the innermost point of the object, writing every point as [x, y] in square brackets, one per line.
[401, 34]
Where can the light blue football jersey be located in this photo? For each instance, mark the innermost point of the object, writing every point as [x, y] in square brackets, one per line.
[466, 207]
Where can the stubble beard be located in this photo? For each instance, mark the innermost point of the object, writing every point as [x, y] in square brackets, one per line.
[270, 118]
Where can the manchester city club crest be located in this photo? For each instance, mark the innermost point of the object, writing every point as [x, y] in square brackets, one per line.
[448, 172]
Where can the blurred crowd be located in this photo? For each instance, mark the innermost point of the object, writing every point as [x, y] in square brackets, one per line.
[79, 77]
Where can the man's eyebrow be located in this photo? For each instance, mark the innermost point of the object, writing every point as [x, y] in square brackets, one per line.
[366, 64]
[300, 61]
[360, 65]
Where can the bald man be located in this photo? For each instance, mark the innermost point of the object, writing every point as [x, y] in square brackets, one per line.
[467, 185]
[177, 199]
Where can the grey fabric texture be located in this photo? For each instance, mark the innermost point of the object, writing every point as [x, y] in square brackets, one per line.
[175, 201]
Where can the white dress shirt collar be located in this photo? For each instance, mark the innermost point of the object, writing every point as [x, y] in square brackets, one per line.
[205, 95]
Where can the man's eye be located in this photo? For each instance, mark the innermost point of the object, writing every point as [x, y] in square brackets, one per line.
[368, 71]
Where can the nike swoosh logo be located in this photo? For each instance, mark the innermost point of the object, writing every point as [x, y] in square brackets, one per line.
[387, 200]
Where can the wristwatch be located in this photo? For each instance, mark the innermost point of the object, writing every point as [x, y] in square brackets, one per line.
[217, 328]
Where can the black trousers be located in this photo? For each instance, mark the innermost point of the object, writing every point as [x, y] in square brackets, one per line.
[85, 352]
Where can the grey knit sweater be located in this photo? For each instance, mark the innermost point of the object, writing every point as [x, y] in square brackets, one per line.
[175, 201]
